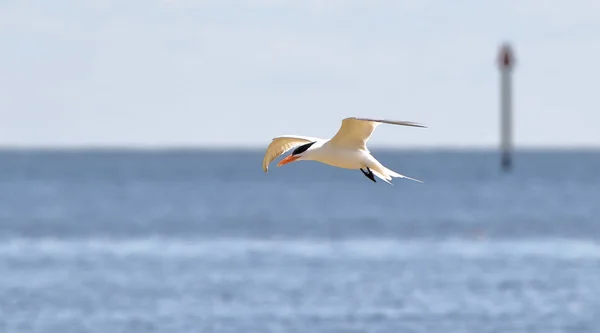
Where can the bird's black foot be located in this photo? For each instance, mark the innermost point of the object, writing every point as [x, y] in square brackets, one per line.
[369, 174]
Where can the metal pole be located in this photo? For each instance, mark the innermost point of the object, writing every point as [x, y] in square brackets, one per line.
[506, 62]
[506, 122]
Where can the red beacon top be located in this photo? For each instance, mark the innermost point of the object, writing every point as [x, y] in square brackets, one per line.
[506, 59]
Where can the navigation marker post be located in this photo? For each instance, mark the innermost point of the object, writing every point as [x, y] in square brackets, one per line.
[506, 62]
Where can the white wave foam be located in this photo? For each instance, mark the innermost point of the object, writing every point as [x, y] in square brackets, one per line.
[350, 249]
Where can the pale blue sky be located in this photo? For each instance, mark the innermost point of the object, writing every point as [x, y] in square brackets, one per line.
[220, 72]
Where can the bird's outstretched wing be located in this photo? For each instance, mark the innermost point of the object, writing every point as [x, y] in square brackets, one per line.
[355, 132]
[281, 144]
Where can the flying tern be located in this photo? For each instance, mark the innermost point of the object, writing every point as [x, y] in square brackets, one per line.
[347, 149]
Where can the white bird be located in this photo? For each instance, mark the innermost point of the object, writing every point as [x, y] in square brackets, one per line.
[346, 149]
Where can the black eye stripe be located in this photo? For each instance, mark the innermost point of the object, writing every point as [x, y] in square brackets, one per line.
[302, 148]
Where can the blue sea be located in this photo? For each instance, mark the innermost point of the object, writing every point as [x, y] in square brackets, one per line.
[204, 241]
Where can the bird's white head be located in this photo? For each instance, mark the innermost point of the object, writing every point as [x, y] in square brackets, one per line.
[297, 154]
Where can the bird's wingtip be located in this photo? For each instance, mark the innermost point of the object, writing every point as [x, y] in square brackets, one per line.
[418, 125]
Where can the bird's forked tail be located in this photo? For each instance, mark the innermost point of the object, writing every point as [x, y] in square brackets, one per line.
[386, 174]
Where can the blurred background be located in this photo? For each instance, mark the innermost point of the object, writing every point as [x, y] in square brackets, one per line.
[132, 197]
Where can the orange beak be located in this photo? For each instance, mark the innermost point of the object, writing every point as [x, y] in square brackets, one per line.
[287, 160]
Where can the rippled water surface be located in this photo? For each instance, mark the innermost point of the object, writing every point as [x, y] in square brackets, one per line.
[204, 241]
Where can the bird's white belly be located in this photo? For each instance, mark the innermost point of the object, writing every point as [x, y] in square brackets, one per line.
[341, 158]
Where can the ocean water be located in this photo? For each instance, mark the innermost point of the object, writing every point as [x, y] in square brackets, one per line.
[204, 241]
